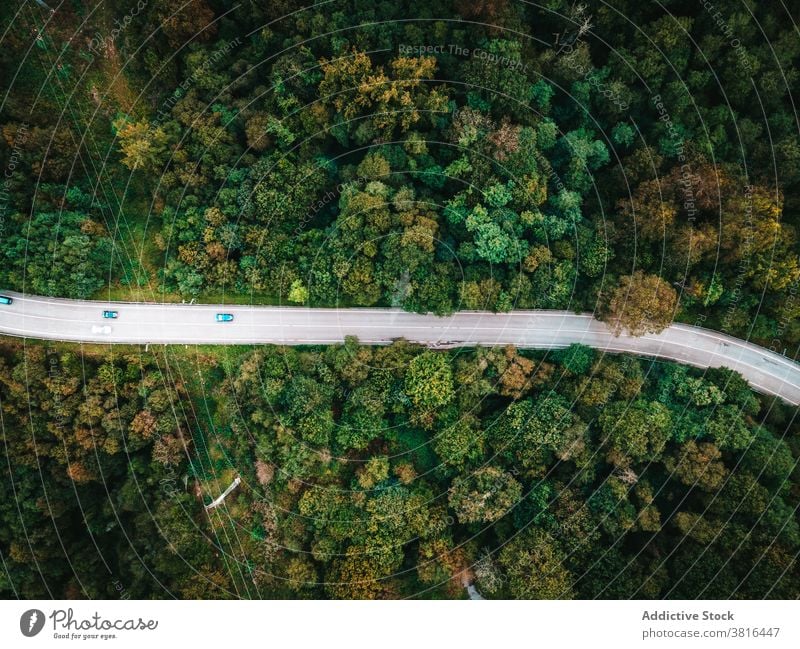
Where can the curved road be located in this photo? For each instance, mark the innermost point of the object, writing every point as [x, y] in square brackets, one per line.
[140, 323]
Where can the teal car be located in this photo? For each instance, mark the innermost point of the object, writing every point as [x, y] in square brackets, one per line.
[4, 299]
[224, 317]
[111, 314]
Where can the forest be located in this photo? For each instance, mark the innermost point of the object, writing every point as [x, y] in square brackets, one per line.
[636, 160]
[468, 155]
[388, 472]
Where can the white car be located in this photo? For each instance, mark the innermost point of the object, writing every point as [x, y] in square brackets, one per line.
[101, 329]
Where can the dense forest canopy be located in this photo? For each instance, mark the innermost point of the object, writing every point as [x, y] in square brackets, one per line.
[391, 472]
[637, 160]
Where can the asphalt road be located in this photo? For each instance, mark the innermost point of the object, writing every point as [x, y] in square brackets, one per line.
[140, 323]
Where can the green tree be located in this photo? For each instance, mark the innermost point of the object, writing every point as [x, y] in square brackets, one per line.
[429, 380]
[635, 431]
[484, 496]
[535, 568]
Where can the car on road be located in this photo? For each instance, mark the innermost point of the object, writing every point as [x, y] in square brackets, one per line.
[111, 314]
[224, 317]
[4, 299]
[101, 329]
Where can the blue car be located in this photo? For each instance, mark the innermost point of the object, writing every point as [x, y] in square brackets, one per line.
[110, 314]
[224, 317]
[4, 299]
